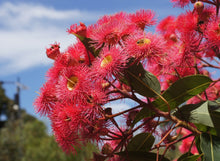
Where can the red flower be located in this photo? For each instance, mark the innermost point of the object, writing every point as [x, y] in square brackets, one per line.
[187, 22]
[65, 126]
[63, 61]
[143, 18]
[45, 102]
[186, 143]
[110, 30]
[66, 60]
[180, 3]
[76, 124]
[80, 54]
[110, 63]
[207, 15]
[79, 30]
[166, 24]
[168, 28]
[96, 95]
[73, 85]
[212, 33]
[141, 45]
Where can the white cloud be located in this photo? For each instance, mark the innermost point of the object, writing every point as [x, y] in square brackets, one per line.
[22, 15]
[27, 29]
[24, 49]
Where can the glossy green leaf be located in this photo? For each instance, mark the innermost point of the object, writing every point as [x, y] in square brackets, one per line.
[196, 113]
[189, 157]
[207, 129]
[214, 110]
[205, 115]
[197, 143]
[140, 156]
[142, 81]
[141, 142]
[210, 146]
[181, 91]
[184, 112]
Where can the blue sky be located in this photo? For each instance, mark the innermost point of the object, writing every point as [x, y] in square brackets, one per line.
[27, 27]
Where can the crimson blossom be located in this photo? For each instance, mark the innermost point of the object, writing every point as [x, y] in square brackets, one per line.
[119, 58]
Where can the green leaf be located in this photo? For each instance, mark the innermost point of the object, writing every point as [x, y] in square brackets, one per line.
[210, 146]
[140, 156]
[197, 143]
[196, 113]
[207, 129]
[205, 115]
[143, 113]
[189, 157]
[141, 142]
[214, 110]
[142, 81]
[182, 90]
[215, 104]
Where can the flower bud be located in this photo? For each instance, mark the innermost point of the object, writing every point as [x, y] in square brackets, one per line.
[199, 6]
[108, 111]
[53, 51]
[80, 29]
[67, 60]
[173, 37]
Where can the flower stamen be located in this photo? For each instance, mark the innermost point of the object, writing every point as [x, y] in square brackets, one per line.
[106, 60]
[143, 42]
[72, 81]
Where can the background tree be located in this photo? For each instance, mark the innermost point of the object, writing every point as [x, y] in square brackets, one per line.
[26, 139]
[5, 106]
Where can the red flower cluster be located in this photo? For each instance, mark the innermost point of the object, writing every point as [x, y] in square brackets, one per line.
[78, 83]
[187, 143]
[89, 74]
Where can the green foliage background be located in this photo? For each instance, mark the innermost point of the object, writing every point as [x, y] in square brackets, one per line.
[26, 139]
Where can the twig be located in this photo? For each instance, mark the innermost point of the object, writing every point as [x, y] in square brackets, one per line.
[120, 113]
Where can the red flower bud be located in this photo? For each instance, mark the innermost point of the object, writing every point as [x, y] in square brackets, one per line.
[53, 51]
[67, 60]
[199, 6]
[78, 29]
[173, 37]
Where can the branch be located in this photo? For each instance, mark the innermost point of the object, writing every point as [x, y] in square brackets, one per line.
[120, 113]
[208, 64]
[209, 2]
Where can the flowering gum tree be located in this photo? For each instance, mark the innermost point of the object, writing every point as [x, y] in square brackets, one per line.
[175, 97]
